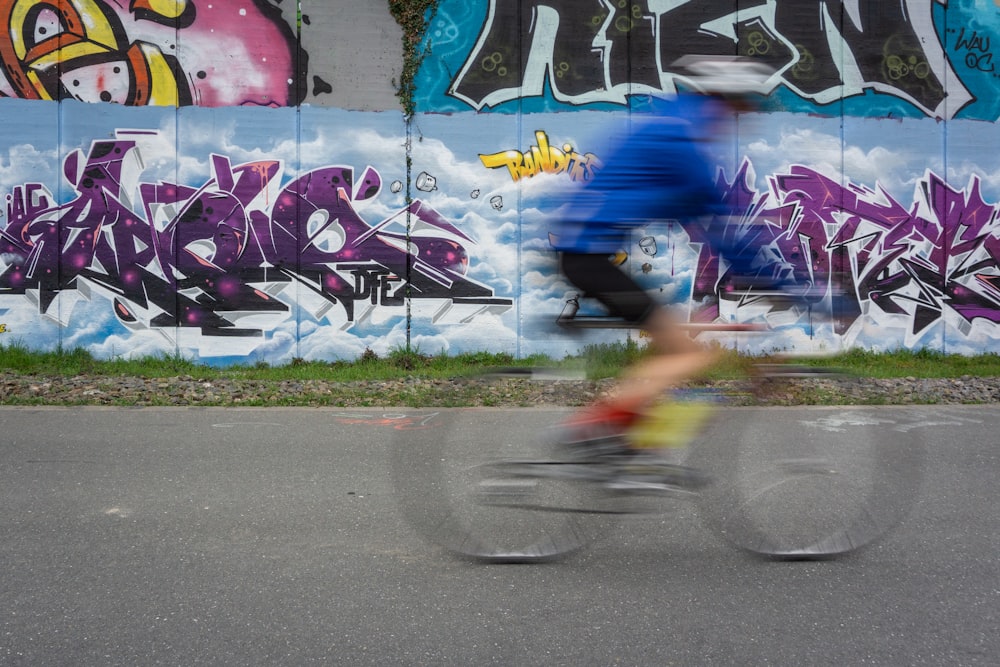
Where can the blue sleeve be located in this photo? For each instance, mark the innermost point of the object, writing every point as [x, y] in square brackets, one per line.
[655, 173]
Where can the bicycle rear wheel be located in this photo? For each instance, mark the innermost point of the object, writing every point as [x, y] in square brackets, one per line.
[807, 482]
[469, 484]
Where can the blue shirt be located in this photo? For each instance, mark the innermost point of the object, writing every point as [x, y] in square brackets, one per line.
[655, 172]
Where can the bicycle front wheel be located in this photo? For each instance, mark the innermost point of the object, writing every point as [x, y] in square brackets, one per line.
[807, 482]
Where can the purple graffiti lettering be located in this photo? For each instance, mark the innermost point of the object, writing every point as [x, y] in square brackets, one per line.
[861, 246]
[221, 257]
[598, 51]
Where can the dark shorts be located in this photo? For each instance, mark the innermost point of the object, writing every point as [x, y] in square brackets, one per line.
[599, 279]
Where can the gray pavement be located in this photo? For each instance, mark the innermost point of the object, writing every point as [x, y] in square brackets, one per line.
[273, 537]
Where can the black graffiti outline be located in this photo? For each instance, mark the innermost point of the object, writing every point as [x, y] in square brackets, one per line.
[910, 64]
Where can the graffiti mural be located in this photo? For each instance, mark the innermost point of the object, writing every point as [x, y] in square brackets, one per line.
[150, 52]
[603, 52]
[230, 257]
[857, 245]
[278, 202]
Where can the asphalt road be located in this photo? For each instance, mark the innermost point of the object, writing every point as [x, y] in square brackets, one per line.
[274, 537]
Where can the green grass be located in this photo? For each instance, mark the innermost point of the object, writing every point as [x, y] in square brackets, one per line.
[370, 366]
[918, 364]
[411, 378]
[601, 361]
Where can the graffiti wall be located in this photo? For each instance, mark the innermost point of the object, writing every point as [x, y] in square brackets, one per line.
[237, 181]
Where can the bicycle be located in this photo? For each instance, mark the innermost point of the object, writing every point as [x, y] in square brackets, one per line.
[474, 488]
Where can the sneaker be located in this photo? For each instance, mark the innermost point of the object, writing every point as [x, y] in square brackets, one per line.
[594, 443]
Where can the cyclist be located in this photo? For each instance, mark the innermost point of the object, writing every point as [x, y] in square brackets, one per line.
[657, 171]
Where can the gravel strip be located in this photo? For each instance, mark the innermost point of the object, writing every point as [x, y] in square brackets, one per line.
[17, 389]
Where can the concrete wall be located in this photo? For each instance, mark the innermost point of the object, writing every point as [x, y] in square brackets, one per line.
[235, 180]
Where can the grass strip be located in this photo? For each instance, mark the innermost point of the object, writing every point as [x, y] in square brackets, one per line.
[600, 361]
[408, 377]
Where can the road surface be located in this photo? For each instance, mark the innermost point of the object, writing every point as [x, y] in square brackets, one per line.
[273, 537]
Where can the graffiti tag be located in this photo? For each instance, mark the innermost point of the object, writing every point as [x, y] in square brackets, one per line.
[977, 50]
[587, 51]
[544, 158]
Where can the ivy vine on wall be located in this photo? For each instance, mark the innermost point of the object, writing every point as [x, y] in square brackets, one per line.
[413, 16]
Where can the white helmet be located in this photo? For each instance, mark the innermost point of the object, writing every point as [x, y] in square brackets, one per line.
[725, 75]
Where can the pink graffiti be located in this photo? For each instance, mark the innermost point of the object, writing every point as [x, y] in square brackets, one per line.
[163, 53]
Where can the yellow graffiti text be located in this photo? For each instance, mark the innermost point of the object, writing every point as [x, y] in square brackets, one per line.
[171, 9]
[3, 328]
[87, 44]
[546, 158]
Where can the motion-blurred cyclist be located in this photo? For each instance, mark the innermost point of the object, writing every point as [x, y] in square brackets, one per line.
[657, 171]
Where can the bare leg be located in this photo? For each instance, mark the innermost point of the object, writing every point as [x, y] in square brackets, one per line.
[678, 358]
